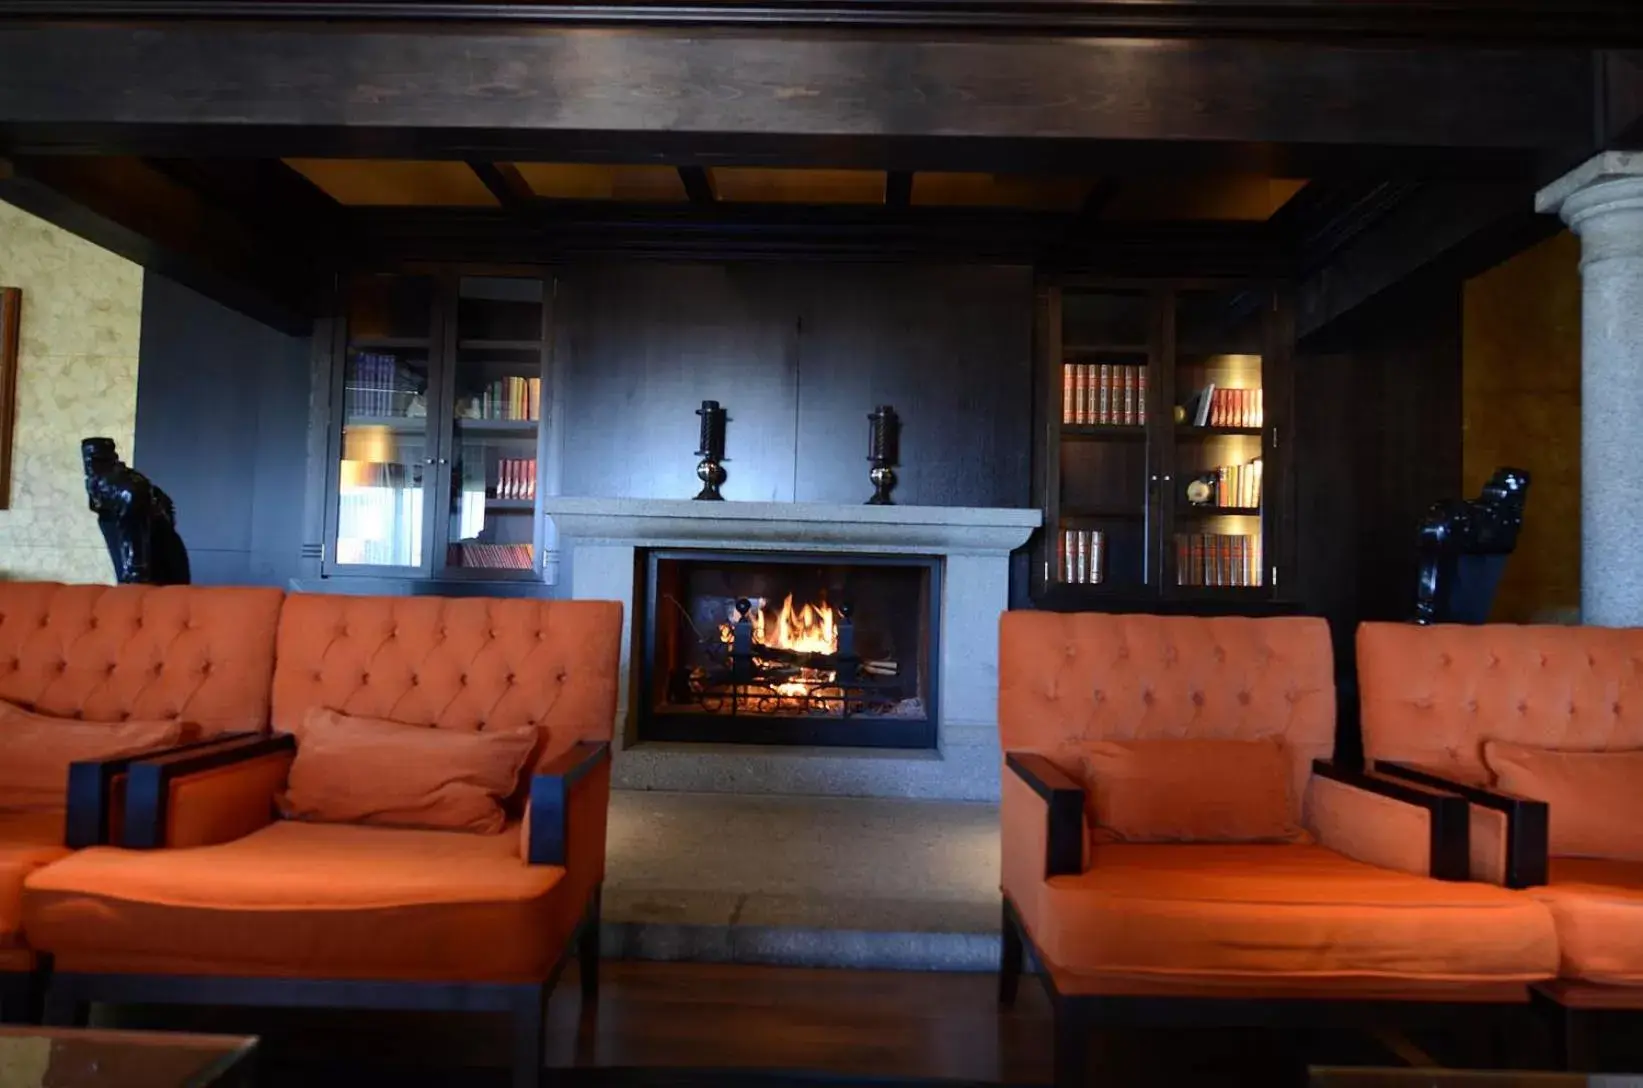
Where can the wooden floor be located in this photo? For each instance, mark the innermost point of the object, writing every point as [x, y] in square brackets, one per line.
[831, 1025]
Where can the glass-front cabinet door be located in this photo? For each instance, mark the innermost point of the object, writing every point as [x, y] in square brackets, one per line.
[496, 425]
[441, 435]
[1155, 481]
[379, 522]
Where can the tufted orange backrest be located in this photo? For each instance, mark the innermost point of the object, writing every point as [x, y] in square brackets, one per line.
[109, 653]
[1093, 676]
[1434, 694]
[456, 663]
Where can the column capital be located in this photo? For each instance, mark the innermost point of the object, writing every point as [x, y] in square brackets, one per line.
[1611, 181]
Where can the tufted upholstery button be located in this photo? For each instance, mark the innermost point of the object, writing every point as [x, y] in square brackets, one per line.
[61, 666]
[1220, 654]
[1617, 708]
[415, 679]
[125, 715]
[1123, 653]
[365, 678]
[560, 676]
[1197, 698]
[1472, 705]
[317, 676]
[464, 678]
[1097, 695]
[1071, 651]
[510, 678]
[1147, 696]
[1523, 706]
[1445, 660]
[110, 670]
[1591, 661]
[1243, 698]
[92, 623]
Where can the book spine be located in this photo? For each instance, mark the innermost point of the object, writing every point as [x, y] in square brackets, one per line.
[1103, 407]
[1069, 385]
[1260, 409]
[1223, 565]
[1098, 557]
[1067, 555]
[1141, 394]
[1081, 563]
[1195, 559]
[1130, 418]
[530, 474]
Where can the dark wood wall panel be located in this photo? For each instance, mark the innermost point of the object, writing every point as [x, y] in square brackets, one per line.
[642, 346]
[222, 422]
[1378, 441]
[799, 356]
[951, 350]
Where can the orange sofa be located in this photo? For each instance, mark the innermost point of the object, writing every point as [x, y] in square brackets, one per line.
[1368, 903]
[105, 654]
[1432, 697]
[214, 900]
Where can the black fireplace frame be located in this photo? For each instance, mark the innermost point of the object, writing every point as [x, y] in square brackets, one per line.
[762, 729]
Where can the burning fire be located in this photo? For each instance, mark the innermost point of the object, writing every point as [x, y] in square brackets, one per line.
[810, 628]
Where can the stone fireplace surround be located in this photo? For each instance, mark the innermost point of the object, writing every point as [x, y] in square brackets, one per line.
[600, 542]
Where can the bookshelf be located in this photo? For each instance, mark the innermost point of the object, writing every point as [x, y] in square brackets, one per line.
[1161, 479]
[440, 436]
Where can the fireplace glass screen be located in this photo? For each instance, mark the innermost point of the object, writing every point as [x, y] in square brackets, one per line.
[783, 649]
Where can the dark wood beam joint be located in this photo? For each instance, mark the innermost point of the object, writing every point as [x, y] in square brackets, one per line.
[1097, 200]
[505, 183]
[698, 185]
[898, 189]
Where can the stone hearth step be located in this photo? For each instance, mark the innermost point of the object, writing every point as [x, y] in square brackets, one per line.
[802, 881]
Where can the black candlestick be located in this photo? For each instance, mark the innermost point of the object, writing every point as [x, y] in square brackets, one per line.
[711, 450]
[883, 451]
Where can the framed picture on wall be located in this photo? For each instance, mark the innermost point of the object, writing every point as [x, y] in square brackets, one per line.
[11, 320]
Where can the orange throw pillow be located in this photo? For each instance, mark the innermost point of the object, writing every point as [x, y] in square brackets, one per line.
[370, 771]
[1594, 799]
[1189, 790]
[37, 749]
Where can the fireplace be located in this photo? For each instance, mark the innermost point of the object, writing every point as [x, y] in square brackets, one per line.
[785, 648]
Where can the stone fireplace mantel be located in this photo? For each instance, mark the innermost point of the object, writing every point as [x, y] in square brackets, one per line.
[600, 541]
[788, 526]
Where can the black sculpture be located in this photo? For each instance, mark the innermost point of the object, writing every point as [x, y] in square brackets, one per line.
[1463, 548]
[138, 521]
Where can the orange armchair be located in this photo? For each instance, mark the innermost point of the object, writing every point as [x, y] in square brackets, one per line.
[1433, 697]
[216, 900]
[1370, 906]
[112, 654]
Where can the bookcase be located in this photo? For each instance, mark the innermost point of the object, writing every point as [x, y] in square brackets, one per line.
[1162, 476]
[438, 434]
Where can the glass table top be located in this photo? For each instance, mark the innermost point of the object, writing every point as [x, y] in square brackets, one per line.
[33, 1057]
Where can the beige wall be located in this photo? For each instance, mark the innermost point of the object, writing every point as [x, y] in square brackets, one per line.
[1521, 407]
[77, 376]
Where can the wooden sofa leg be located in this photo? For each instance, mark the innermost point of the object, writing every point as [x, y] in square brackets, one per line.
[587, 949]
[529, 1036]
[1577, 1042]
[1011, 955]
[1072, 1045]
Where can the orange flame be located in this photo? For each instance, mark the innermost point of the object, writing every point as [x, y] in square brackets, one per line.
[810, 628]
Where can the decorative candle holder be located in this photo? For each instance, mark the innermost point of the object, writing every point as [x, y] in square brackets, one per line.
[883, 451]
[711, 449]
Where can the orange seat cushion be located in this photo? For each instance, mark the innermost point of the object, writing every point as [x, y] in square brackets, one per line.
[36, 751]
[371, 771]
[1597, 904]
[1283, 911]
[1195, 789]
[28, 840]
[308, 900]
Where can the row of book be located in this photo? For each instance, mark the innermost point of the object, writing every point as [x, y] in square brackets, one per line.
[515, 478]
[1083, 556]
[1214, 407]
[508, 399]
[1236, 486]
[1104, 394]
[376, 387]
[1217, 559]
[491, 556]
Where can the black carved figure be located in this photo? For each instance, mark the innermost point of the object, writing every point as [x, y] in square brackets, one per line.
[138, 521]
[1463, 548]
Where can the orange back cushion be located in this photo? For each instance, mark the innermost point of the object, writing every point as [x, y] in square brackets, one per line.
[1595, 799]
[472, 663]
[201, 655]
[1091, 676]
[1432, 695]
[369, 771]
[1193, 790]
[36, 751]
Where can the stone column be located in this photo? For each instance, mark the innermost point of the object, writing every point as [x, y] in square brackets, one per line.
[1602, 201]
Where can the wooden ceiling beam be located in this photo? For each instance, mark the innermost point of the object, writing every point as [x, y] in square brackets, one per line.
[698, 183]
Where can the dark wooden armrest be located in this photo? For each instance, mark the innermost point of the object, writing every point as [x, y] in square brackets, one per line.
[1064, 810]
[1450, 850]
[551, 788]
[148, 782]
[1527, 820]
[91, 789]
